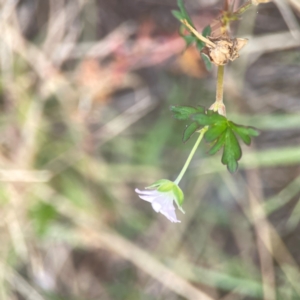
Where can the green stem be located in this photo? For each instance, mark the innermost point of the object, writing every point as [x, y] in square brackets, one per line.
[220, 85]
[188, 161]
[198, 35]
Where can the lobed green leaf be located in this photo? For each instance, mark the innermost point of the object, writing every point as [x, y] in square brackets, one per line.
[244, 132]
[208, 119]
[232, 151]
[189, 131]
[214, 131]
[222, 132]
[184, 112]
[253, 131]
[218, 144]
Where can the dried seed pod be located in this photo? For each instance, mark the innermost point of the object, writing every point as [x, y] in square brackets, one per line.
[226, 49]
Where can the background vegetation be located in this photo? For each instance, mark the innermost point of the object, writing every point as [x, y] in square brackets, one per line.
[85, 90]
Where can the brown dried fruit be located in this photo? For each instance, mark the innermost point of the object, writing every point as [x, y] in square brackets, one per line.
[226, 49]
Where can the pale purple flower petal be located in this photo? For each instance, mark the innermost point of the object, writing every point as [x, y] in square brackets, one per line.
[147, 198]
[170, 214]
[161, 202]
[148, 192]
[147, 195]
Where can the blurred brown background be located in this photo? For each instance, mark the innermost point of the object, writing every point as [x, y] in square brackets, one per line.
[85, 90]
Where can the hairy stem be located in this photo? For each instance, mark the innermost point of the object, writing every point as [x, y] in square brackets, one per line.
[188, 161]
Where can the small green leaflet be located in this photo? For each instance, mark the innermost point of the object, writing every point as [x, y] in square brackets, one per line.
[205, 32]
[244, 133]
[184, 112]
[182, 14]
[232, 151]
[190, 38]
[206, 61]
[190, 130]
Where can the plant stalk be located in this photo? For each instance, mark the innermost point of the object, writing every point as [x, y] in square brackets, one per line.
[188, 161]
[197, 34]
[220, 85]
[243, 8]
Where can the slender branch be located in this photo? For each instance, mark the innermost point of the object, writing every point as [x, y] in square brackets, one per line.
[197, 34]
[188, 161]
[243, 8]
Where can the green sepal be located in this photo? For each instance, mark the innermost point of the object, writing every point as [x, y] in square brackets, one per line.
[179, 196]
[158, 183]
[207, 62]
[189, 131]
[166, 187]
[184, 112]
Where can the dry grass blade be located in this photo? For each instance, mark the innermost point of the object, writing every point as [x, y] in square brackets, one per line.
[24, 176]
[263, 238]
[146, 262]
[20, 284]
[289, 18]
[127, 118]
[276, 248]
[109, 131]
[100, 49]
[271, 43]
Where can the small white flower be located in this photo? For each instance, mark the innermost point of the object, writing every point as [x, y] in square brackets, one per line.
[161, 195]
